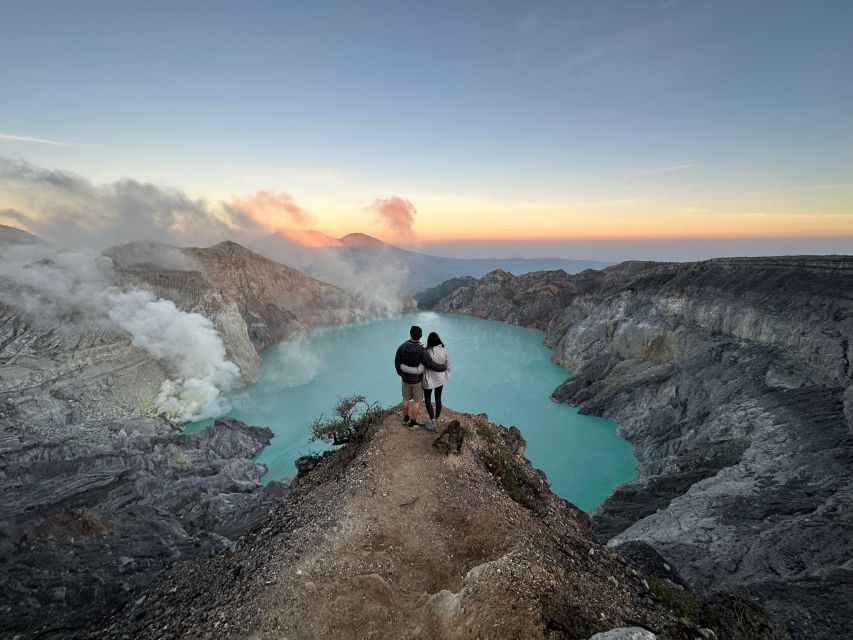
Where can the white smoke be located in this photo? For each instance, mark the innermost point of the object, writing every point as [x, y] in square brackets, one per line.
[188, 344]
[297, 362]
[76, 291]
[375, 275]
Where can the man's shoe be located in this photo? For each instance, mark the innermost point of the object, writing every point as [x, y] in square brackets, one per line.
[415, 425]
[406, 420]
[431, 425]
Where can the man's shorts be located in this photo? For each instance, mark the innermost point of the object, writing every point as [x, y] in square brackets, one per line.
[413, 391]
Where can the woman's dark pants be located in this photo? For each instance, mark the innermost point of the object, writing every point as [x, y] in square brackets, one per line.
[433, 414]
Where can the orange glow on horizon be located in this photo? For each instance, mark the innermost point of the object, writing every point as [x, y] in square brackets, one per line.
[308, 237]
[663, 228]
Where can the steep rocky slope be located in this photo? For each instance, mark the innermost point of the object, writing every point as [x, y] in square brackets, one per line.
[391, 538]
[732, 380]
[86, 526]
[253, 301]
[97, 493]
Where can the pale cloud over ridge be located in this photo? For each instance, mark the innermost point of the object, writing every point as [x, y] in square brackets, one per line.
[69, 208]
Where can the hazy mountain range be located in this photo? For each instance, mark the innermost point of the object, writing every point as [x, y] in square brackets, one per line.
[358, 258]
[367, 265]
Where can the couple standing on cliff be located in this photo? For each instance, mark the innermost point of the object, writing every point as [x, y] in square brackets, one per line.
[422, 369]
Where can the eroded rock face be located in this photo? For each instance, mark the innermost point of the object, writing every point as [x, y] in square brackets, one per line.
[97, 494]
[252, 301]
[51, 378]
[86, 525]
[732, 380]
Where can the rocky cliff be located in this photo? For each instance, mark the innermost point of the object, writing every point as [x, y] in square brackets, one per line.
[98, 493]
[253, 301]
[86, 524]
[732, 380]
[389, 537]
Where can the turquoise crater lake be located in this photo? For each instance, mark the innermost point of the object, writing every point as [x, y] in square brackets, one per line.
[498, 369]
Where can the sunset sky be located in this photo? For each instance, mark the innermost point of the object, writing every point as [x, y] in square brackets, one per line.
[530, 127]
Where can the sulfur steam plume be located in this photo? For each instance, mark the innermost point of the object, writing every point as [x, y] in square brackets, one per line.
[77, 292]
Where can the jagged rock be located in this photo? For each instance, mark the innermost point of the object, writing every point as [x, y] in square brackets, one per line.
[306, 464]
[645, 558]
[87, 525]
[732, 380]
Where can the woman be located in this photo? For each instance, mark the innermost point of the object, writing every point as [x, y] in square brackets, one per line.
[434, 380]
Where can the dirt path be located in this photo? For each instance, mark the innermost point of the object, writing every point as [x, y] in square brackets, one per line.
[403, 546]
[391, 538]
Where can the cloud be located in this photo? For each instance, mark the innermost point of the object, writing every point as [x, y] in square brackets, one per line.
[308, 238]
[72, 210]
[397, 213]
[273, 210]
[14, 138]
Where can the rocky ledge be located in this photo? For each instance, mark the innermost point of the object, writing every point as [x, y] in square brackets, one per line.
[732, 380]
[87, 525]
[391, 537]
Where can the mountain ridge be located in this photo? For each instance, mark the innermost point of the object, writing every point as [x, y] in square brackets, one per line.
[389, 537]
[730, 377]
[98, 492]
[360, 256]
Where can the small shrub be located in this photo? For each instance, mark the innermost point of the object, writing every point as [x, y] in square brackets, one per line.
[350, 420]
[679, 601]
[485, 432]
[70, 524]
[659, 351]
[737, 617]
[521, 484]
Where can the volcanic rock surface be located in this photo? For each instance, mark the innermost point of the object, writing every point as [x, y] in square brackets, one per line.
[86, 525]
[252, 301]
[732, 380]
[98, 493]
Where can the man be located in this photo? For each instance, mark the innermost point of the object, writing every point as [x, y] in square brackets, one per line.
[414, 357]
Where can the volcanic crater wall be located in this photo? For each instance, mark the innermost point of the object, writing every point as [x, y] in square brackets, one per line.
[731, 379]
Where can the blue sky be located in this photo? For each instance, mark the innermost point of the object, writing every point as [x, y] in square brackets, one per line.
[638, 116]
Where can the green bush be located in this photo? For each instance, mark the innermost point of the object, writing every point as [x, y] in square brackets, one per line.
[485, 431]
[430, 297]
[678, 600]
[520, 482]
[350, 420]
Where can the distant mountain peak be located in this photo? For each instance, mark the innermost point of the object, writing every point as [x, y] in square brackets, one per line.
[307, 237]
[361, 240]
[13, 235]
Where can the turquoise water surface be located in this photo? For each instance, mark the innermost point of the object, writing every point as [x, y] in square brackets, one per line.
[498, 369]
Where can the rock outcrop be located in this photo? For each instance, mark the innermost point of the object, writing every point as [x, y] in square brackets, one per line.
[252, 301]
[88, 523]
[391, 538]
[732, 380]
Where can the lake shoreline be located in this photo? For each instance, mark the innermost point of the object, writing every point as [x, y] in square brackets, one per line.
[582, 456]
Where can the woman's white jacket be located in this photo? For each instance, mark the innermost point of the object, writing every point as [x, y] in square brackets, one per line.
[433, 379]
